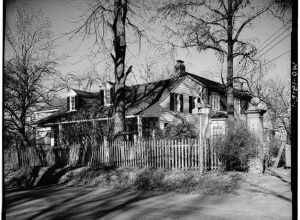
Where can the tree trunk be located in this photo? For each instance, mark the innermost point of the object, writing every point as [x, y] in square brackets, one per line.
[229, 87]
[120, 13]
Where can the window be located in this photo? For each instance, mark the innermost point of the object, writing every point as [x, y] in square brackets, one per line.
[108, 96]
[71, 103]
[101, 94]
[237, 105]
[191, 104]
[176, 102]
[180, 107]
[244, 106]
[172, 101]
[194, 103]
[215, 102]
[223, 103]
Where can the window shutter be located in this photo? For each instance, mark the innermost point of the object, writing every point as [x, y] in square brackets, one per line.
[68, 103]
[102, 97]
[77, 104]
[112, 91]
[191, 102]
[181, 102]
[172, 101]
[244, 106]
[223, 105]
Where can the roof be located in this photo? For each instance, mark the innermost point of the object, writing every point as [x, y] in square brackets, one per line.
[138, 98]
[218, 87]
[85, 93]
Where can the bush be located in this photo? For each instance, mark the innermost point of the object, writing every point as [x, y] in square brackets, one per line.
[182, 130]
[149, 179]
[235, 149]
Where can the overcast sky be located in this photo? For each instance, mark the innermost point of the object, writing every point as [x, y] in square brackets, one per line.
[64, 13]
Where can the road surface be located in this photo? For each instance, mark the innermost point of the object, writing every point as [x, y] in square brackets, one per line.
[256, 197]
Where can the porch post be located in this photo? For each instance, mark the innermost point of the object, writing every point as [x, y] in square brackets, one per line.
[139, 126]
[255, 114]
[204, 122]
[203, 134]
[59, 141]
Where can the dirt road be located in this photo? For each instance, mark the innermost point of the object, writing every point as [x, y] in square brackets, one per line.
[257, 197]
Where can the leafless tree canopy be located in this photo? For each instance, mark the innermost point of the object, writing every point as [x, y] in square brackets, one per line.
[30, 63]
[218, 26]
[107, 22]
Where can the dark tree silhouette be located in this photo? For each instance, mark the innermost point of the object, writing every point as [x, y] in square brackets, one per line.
[218, 26]
[108, 22]
[28, 63]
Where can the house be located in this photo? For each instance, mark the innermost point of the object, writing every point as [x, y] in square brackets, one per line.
[152, 105]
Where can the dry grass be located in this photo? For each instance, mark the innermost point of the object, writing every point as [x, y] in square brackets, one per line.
[155, 180]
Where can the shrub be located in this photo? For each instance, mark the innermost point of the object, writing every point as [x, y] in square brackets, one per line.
[149, 179]
[235, 149]
[182, 130]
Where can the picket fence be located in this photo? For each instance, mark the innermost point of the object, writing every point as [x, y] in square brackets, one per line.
[164, 153]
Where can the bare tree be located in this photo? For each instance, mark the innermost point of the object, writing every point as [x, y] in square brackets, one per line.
[218, 26]
[151, 71]
[28, 63]
[108, 22]
[277, 97]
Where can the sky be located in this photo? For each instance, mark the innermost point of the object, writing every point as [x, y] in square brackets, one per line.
[63, 15]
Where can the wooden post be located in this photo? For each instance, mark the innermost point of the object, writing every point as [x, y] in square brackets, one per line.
[139, 127]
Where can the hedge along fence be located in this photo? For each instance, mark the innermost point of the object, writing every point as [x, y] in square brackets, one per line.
[163, 153]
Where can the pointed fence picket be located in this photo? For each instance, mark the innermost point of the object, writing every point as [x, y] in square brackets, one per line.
[164, 154]
[181, 154]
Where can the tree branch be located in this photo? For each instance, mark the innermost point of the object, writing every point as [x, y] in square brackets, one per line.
[248, 21]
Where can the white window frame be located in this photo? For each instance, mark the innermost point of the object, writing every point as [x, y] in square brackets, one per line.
[215, 102]
[71, 106]
[237, 105]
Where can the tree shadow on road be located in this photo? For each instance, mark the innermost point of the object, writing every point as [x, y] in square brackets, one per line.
[260, 189]
[61, 202]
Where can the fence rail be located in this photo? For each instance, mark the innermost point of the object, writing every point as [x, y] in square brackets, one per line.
[165, 154]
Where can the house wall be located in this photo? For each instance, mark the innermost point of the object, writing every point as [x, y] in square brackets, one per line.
[187, 87]
[162, 110]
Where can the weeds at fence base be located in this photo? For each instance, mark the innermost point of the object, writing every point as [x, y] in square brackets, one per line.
[155, 180]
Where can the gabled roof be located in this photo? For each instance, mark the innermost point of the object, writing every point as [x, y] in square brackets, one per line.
[85, 93]
[138, 98]
[218, 87]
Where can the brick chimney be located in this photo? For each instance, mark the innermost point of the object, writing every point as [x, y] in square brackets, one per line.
[179, 68]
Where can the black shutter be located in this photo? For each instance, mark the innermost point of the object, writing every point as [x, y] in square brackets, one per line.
[191, 102]
[244, 106]
[102, 97]
[223, 105]
[68, 103]
[77, 102]
[181, 103]
[112, 91]
[172, 95]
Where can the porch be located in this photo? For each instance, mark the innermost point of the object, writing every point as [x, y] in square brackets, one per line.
[137, 127]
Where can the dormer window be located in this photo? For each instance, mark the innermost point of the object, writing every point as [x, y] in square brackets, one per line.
[72, 103]
[72, 100]
[107, 94]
